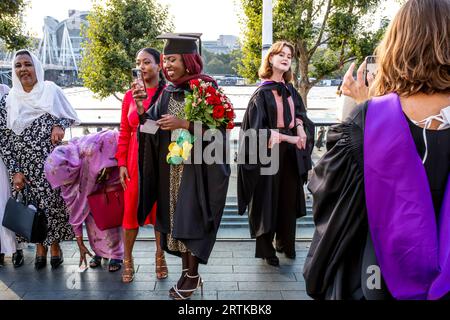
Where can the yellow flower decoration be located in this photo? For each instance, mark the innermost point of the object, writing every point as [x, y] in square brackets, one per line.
[186, 150]
[175, 150]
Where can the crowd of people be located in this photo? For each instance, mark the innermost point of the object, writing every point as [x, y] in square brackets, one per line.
[380, 192]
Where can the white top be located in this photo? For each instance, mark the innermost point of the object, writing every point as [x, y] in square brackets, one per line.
[4, 89]
[46, 97]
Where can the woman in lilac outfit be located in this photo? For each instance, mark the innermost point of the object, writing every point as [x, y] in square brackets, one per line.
[75, 169]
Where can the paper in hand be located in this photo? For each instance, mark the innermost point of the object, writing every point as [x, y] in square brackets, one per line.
[150, 126]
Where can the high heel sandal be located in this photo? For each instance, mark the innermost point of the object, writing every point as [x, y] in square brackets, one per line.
[161, 268]
[184, 294]
[175, 287]
[128, 271]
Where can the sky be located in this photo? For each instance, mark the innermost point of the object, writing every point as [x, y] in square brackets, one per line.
[220, 16]
[210, 17]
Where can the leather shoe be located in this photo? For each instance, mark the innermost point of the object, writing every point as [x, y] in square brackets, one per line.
[56, 261]
[40, 262]
[17, 259]
[273, 261]
[2, 259]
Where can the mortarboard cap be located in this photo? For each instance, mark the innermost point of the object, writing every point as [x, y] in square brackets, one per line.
[181, 43]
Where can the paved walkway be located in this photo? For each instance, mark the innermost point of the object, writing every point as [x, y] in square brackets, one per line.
[231, 274]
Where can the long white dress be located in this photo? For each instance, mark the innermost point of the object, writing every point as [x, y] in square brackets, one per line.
[7, 237]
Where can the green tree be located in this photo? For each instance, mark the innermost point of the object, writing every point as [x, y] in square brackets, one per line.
[236, 58]
[215, 66]
[252, 46]
[325, 35]
[115, 32]
[11, 24]
[222, 63]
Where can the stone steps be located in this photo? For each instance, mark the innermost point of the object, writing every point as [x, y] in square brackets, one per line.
[231, 218]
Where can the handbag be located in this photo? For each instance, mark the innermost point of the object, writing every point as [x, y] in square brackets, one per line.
[25, 219]
[107, 206]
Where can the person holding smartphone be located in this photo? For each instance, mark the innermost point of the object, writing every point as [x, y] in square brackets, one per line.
[149, 78]
[359, 89]
[190, 195]
[381, 192]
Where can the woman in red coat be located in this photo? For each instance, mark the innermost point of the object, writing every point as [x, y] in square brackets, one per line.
[147, 60]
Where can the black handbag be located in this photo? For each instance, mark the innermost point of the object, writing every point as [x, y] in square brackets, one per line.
[25, 219]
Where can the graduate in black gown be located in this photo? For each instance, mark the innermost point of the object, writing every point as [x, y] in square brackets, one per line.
[275, 199]
[190, 196]
[382, 192]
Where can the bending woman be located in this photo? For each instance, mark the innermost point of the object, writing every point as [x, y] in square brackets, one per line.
[75, 168]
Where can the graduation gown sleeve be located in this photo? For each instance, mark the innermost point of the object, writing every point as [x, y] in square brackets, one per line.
[337, 187]
[148, 162]
[256, 118]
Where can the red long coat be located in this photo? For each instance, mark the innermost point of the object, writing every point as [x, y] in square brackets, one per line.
[127, 155]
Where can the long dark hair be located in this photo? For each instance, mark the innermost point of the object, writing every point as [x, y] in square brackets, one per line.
[162, 80]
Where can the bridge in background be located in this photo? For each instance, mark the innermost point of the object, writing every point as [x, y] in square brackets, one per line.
[59, 62]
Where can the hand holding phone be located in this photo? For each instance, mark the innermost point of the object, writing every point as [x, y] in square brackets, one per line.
[371, 69]
[138, 80]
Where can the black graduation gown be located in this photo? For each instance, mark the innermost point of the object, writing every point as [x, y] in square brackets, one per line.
[334, 262]
[202, 191]
[341, 250]
[261, 114]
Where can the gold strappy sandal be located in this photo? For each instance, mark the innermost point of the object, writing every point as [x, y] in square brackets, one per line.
[128, 271]
[161, 266]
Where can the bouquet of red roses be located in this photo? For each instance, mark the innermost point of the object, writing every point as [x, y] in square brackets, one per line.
[208, 105]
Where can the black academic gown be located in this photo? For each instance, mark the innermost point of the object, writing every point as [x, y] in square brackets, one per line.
[338, 263]
[202, 192]
[253, 187]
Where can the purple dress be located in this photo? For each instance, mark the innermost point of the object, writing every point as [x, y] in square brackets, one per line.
[74, 168]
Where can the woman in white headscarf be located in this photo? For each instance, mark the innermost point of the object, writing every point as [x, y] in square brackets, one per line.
[33, 118]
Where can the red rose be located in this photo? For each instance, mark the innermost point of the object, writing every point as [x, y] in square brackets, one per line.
[218, 112]
[230, 114]
[213, 100]
[211, 90]
[194, 83]
[230, 125]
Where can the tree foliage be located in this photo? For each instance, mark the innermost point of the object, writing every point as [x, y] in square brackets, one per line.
[252, 45]
[11, 24]
[222, 63]
[115, 32]
[325, 35]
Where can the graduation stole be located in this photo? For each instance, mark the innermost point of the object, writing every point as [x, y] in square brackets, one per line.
[413, 250]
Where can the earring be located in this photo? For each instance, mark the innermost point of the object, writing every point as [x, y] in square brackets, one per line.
[187, 71]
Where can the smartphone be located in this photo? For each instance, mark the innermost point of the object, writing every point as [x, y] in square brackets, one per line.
[371, 68]
[136, 74]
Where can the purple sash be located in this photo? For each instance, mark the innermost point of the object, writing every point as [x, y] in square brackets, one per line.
[412, 250]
